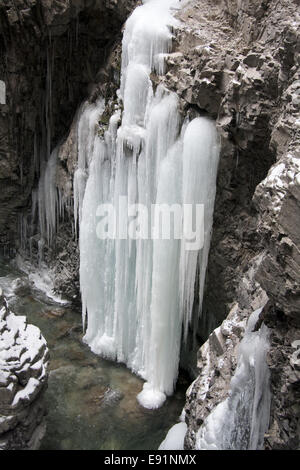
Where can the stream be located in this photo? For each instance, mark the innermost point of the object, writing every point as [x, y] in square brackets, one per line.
[91, 402]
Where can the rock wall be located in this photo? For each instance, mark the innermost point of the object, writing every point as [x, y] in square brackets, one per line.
[51, 52]
[239, 62]
[23, 377]
[241, 69]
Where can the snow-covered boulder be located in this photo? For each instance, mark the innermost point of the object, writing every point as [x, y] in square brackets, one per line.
[23, 378]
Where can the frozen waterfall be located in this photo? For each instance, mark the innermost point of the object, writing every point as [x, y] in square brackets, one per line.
[138, 291]
[240, 422]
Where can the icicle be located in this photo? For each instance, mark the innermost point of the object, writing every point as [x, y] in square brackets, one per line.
[85, 137]
[23, 230]
[96, 283]
[48, 199]
[200, 164]
[165, 315]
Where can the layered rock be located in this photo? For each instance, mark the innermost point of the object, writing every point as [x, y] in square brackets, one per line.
[239, 62]
[23, 378]
[278, 201]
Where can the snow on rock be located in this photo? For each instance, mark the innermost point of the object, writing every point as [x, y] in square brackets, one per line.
[23, 376]
[40, 278]
[281, 179]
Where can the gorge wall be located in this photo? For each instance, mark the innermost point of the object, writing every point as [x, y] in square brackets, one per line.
[237, 62]
[245, 71]
[51, 52]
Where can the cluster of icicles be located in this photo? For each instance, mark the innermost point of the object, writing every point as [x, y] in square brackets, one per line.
[138, 295]
[48, 208]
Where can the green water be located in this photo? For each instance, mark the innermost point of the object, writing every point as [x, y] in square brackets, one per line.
[91, 402]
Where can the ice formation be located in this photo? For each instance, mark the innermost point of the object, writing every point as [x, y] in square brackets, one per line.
[47, 198]
[174, 439]
[137, 293]
[40, 278]
[86, 128]
[48, 208]
[240, 421]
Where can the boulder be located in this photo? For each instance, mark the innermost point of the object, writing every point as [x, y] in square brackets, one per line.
[24, 359]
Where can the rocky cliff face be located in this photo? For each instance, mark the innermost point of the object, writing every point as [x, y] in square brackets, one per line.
[237, 62]
[23, 376]
[51, 52]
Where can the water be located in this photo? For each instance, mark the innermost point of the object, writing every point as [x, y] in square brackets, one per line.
[91, 402]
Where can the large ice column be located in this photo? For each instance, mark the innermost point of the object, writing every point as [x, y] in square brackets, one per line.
[161, 366]
[240, 422]
[186, 176]
[133, 288]
[96, 267]
[149, 127]
[200, 165]
[147, 37]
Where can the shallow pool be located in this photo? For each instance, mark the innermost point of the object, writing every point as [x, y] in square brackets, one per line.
[91, 402]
